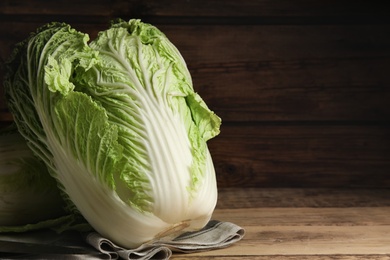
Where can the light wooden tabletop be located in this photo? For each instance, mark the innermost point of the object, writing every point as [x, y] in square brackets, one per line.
[305, 224]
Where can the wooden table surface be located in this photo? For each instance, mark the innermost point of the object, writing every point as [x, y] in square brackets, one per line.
[305, 224]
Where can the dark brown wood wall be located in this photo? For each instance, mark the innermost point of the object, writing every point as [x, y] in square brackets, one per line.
[302, 87]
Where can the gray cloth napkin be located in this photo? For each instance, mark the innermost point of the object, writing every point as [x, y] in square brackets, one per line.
[46, 244]
[214, 235]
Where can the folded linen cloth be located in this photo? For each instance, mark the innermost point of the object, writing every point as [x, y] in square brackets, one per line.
[47, 244]
[214, 235]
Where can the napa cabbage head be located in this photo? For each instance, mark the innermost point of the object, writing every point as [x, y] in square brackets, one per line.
[119, 126]
[29, 196]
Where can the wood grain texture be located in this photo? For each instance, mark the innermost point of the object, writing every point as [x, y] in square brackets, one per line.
[262, 10]
[310, 240]
[289, 257]
[234, 198]
[290, 73]
[302, 156]
[356, 231]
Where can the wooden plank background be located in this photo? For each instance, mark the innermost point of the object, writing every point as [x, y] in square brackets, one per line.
[302, 87]
[307, 223]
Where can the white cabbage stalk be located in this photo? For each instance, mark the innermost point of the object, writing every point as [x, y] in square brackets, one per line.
[29, 196]
[120, 127]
